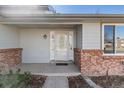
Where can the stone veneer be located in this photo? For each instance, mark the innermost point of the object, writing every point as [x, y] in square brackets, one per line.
[11, 56]
[93, 62]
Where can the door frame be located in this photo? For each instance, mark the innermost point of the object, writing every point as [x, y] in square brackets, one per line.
[68, 51]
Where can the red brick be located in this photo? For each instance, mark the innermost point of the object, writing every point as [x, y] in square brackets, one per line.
[12, 56]
[92, 62]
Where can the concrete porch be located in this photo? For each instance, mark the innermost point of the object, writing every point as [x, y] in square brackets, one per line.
[49, 69]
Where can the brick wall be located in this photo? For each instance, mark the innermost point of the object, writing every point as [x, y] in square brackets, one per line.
[93, 62]
[77, 57]
[12, 56]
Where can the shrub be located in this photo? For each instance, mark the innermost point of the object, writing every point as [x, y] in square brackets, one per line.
[15, 80]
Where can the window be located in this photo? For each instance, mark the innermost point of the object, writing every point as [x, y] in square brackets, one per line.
[114, 39]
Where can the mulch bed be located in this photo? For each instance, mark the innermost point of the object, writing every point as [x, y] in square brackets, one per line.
[109, 81]
[37, 81]
[77, 82]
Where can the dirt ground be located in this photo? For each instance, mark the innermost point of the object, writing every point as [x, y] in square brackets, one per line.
[77, 82]
[109, 81]
[37, 81]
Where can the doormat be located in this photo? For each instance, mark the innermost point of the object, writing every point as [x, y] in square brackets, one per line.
[61, 64]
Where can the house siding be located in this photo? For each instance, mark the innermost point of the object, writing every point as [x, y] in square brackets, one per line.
[9, 37]
[91, 36]
[36, 49]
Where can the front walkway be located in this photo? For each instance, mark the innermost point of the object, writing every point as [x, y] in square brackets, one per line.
[56, 82]
[50, 69]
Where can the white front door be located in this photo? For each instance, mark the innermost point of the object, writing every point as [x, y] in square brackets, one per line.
[63, 45]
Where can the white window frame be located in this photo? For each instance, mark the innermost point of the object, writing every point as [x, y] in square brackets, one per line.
[106, 54]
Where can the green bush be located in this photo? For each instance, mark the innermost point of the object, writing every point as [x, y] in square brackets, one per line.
[15, 80]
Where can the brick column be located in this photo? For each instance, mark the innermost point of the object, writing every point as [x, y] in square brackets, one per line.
[77, 57]
[12, 56]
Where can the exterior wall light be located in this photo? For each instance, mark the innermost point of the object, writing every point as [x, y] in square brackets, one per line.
[45, 36]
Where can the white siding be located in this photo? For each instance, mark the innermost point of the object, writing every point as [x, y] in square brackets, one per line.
[35, 48]
[9, 37]
[79, 36]
[91, 36]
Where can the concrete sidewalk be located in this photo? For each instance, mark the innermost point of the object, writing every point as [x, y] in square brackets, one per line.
[56, 82]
